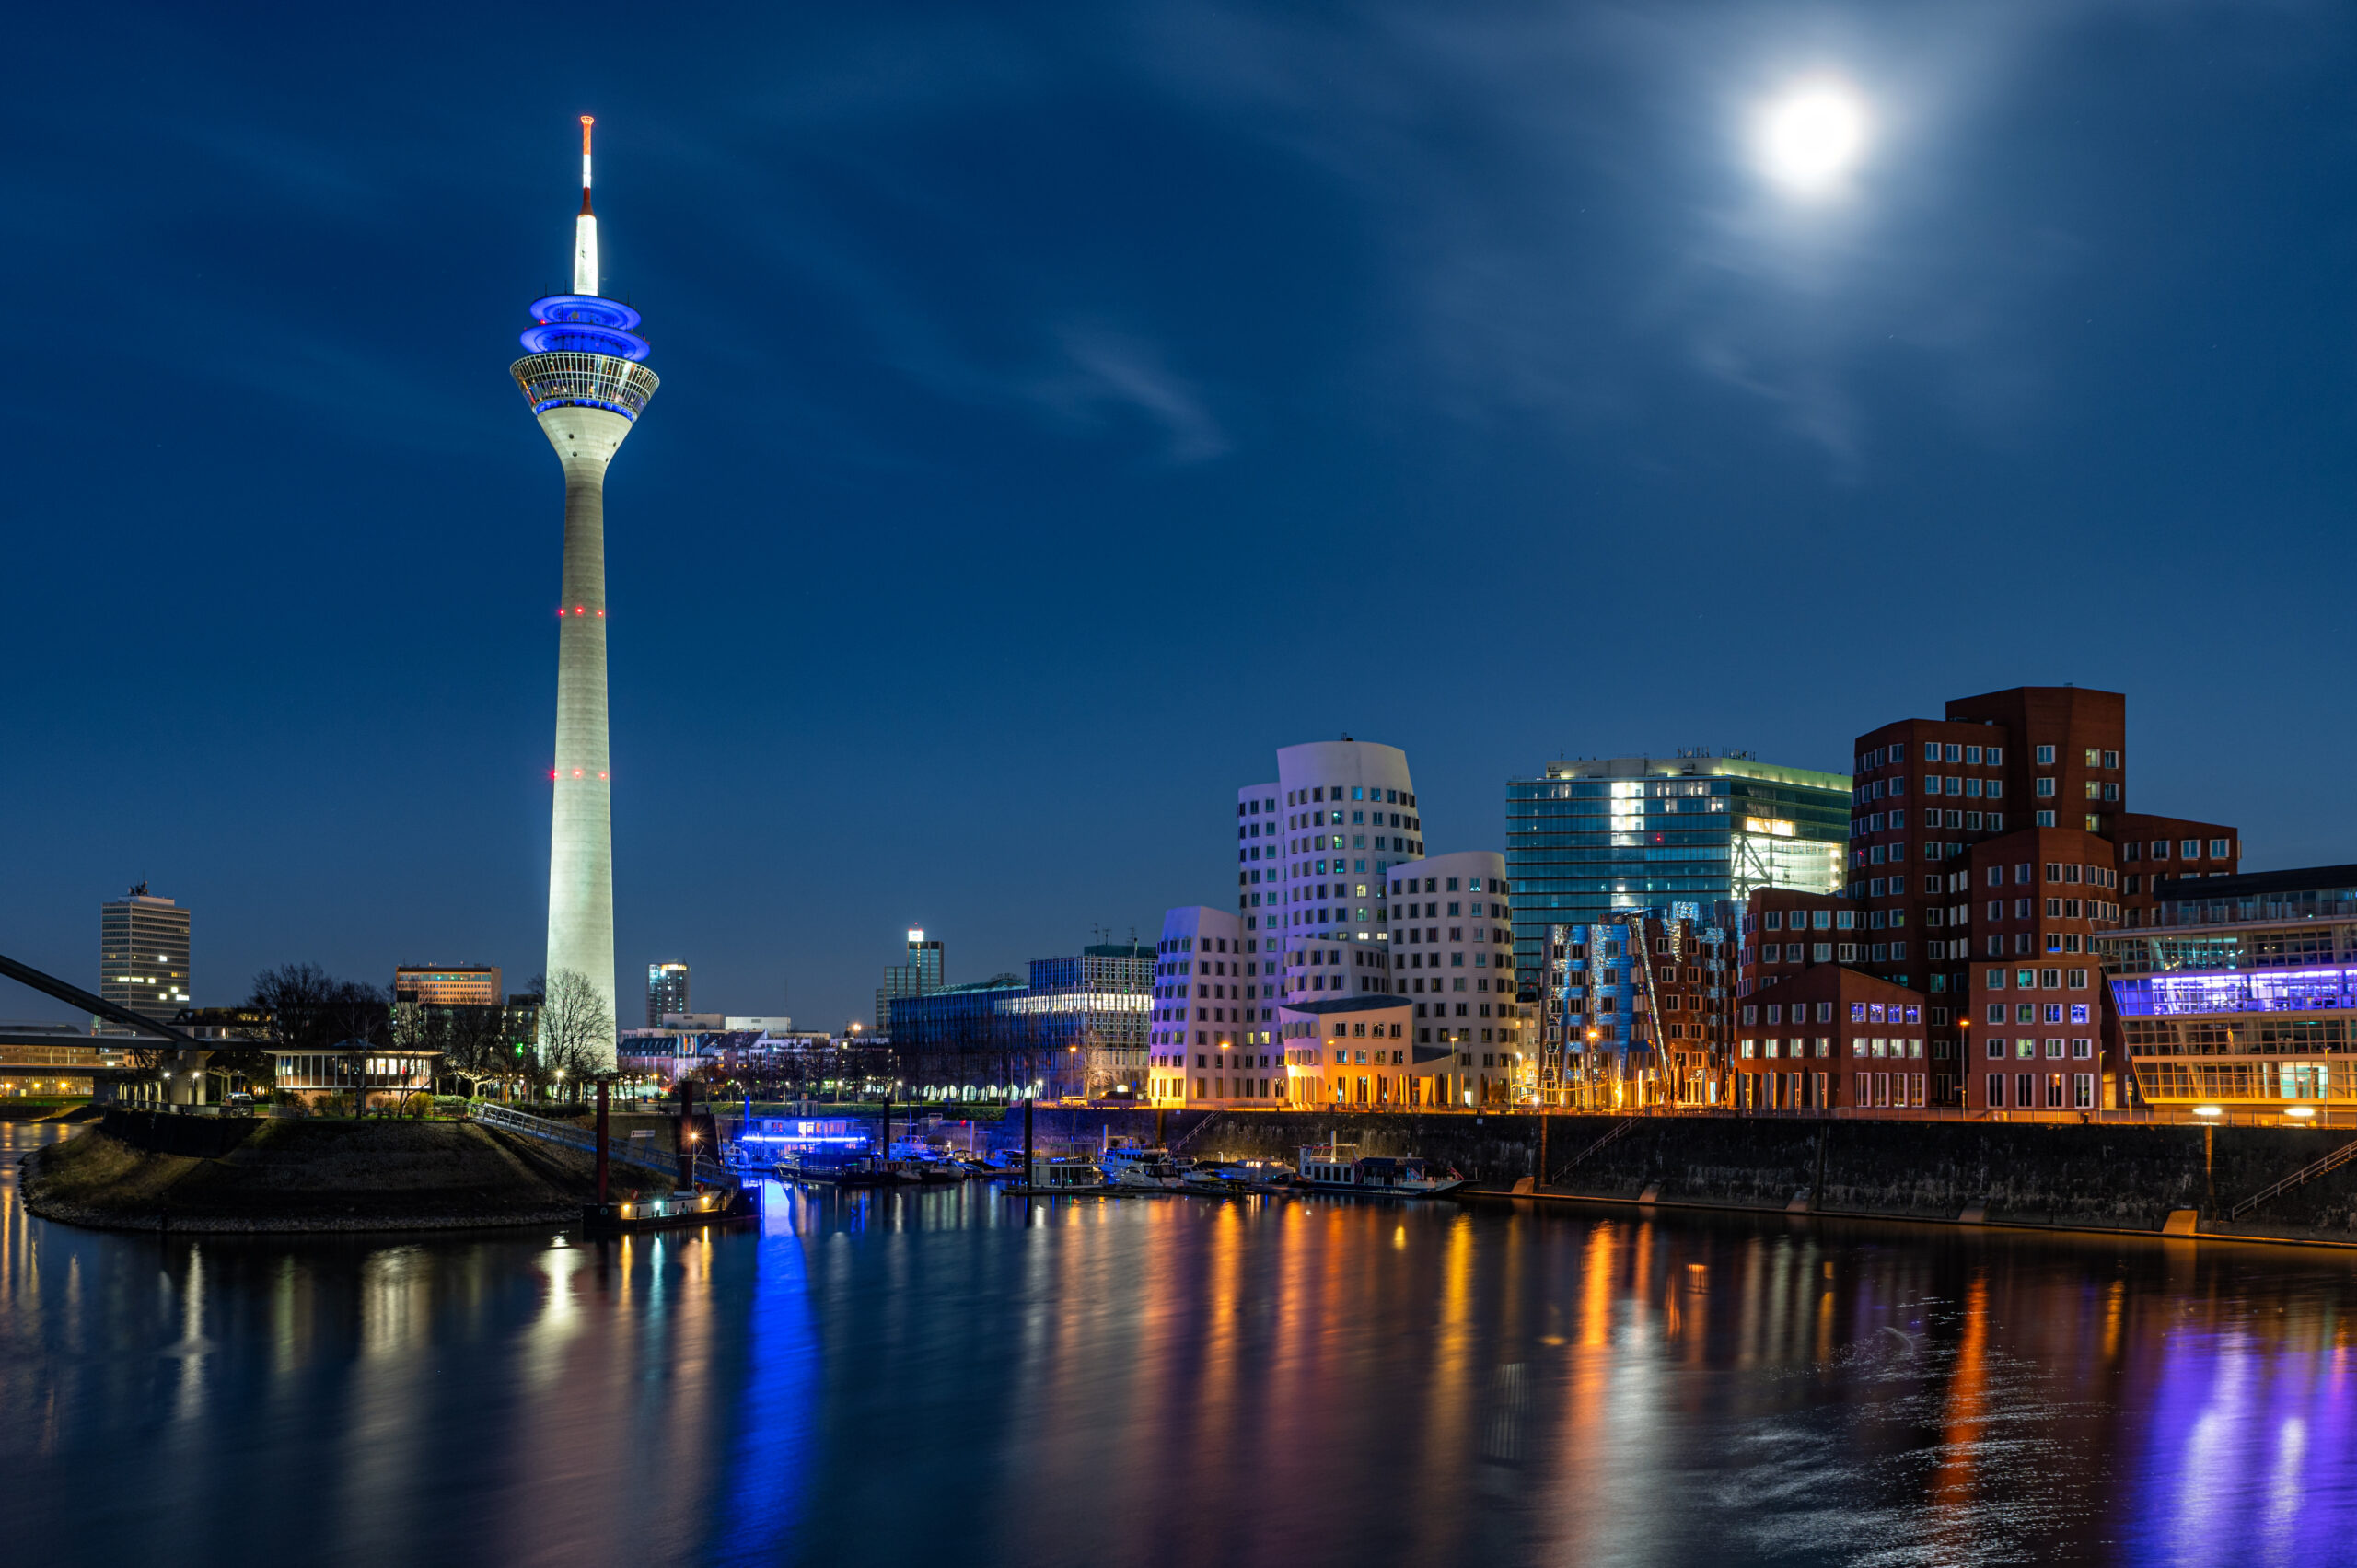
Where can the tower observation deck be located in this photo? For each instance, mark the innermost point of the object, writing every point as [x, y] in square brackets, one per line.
[585, 378]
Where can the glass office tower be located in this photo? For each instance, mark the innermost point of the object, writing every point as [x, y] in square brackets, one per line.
[1677, 835]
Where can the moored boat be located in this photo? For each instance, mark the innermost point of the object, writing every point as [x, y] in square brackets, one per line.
[1061, 1173]
[1339, 1168]
[1160, 1176]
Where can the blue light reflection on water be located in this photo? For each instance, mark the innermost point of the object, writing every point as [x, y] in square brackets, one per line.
[885, 1378]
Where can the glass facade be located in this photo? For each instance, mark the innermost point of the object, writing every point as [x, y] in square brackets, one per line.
[2240, 999]
[1077, 1026]
[1588, 840]
[921, 974]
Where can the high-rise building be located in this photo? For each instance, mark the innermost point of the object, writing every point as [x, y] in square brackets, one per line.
[667, 991]
[1588, 840]
[583, 377]
[144, 955]
[919, 976]
[450, 985]
[1990, 850]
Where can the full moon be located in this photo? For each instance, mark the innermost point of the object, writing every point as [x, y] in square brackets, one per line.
[1810, 140]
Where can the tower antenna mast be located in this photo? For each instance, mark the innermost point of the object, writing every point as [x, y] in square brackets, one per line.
[585, 228]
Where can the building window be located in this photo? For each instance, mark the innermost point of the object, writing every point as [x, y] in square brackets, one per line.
[2046, 755]
[2046, 819]
[2220, 848]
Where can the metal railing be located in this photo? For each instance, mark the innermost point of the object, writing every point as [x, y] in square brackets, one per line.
[2299, 1177]
[619, 1149]
[1618, 1130]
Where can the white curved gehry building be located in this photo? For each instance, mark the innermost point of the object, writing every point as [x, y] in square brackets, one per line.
[1452, 952]
[1318, 851]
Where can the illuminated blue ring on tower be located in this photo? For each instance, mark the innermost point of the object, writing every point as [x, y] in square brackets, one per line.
[578, 337]
[589, 308]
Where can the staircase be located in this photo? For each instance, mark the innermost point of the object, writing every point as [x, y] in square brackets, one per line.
[1619, 1129]
[1193, 1132]
[2299, 1177]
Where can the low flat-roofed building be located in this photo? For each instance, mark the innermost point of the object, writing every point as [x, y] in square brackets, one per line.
[1076, 1028]
[377, 1075]
[2236, 994]
[1362, 1051]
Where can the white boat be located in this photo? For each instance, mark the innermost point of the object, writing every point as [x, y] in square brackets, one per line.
[1120, 1153]
[1339, 1168]
[1159, 1176]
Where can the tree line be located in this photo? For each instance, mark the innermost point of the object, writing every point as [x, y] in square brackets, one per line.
[559, 1030]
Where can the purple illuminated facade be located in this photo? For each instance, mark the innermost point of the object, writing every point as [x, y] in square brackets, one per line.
[2236, 994]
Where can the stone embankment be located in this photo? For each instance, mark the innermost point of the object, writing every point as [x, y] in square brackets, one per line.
[2115, 1176]
[134, 1171]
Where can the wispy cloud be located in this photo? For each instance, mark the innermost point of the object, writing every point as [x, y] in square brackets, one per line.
[1105, 375]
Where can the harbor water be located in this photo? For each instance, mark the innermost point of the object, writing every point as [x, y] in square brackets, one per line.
[956, 1377]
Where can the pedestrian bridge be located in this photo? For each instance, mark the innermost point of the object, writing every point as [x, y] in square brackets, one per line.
[622, 1151]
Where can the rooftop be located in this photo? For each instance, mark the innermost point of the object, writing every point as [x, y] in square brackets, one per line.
[1731, 766]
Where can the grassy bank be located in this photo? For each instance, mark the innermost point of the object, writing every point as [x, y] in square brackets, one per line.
[318, 1176]
[29, 1108]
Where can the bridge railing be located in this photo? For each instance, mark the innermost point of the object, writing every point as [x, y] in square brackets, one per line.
[624, 1151]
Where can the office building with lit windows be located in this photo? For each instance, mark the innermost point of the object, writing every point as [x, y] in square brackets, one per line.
[449, 985]
[666, 992]
[1590, 840]
[144, 956]
[1991, 849]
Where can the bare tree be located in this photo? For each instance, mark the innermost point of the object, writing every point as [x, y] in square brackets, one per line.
[474, 1044]
[311, 1011]
[576, 1028]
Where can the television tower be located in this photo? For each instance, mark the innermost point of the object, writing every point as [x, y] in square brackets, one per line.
[584, 378]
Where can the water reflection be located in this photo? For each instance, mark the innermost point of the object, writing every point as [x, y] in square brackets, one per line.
[881, 1378]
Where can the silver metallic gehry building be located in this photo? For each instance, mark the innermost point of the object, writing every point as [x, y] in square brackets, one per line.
[586, 386]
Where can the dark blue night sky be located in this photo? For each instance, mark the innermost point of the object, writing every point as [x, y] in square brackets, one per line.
[1063, 407]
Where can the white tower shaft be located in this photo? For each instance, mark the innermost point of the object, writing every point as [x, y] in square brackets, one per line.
[581, 841]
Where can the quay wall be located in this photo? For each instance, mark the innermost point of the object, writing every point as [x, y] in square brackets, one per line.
[2111, 1177]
